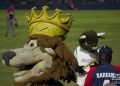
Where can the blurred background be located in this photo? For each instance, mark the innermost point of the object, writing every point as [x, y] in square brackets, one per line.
[63, 4]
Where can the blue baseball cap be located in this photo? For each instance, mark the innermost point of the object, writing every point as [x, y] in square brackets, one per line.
[105, 52]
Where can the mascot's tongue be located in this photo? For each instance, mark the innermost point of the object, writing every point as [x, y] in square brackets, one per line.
[25, 67]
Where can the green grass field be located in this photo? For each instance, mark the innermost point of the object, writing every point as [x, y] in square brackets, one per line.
[107, 21]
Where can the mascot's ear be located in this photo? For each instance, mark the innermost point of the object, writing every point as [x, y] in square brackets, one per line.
[50, 51]
[101, 35]
[83, 37]
[63, 51]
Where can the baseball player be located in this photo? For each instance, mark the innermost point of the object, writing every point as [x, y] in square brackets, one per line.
[105, 74]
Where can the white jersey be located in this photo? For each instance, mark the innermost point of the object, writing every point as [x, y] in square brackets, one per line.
[83, 57]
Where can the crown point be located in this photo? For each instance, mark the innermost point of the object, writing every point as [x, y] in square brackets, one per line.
[58, 10]
[57, 14]
[34, 8]
[45, 7]
[44, 13]
[33, 13]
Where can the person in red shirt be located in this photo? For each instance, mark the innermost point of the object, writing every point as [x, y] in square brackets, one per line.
[71, 4]
[105, 73]
[10, 20]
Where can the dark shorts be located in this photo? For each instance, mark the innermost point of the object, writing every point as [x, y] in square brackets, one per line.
[11, 16]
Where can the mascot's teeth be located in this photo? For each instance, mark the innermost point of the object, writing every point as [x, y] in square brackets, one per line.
[41, 73]
[19, 73]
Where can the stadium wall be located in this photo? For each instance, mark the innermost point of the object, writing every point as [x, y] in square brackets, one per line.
[81, 6]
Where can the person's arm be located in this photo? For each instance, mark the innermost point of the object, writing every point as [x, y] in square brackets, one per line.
[88, 80]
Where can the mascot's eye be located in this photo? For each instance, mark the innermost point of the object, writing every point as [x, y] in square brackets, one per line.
[31, 45]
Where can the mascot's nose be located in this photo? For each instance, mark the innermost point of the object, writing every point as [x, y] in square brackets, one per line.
[7, 56]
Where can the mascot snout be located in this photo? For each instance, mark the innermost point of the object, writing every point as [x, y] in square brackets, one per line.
[7, 56]
[30, 60]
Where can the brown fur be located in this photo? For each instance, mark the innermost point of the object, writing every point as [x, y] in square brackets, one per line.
[64, 62]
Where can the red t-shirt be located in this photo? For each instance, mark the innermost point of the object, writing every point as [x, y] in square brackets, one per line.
[10, 12]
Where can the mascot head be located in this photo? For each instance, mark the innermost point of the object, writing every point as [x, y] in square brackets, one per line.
[89, 39]
[44, 56]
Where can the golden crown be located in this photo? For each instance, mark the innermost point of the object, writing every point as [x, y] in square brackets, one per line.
[48, 25]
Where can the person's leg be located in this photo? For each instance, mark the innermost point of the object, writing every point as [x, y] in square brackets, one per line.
[13, 27]
[7, 26]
